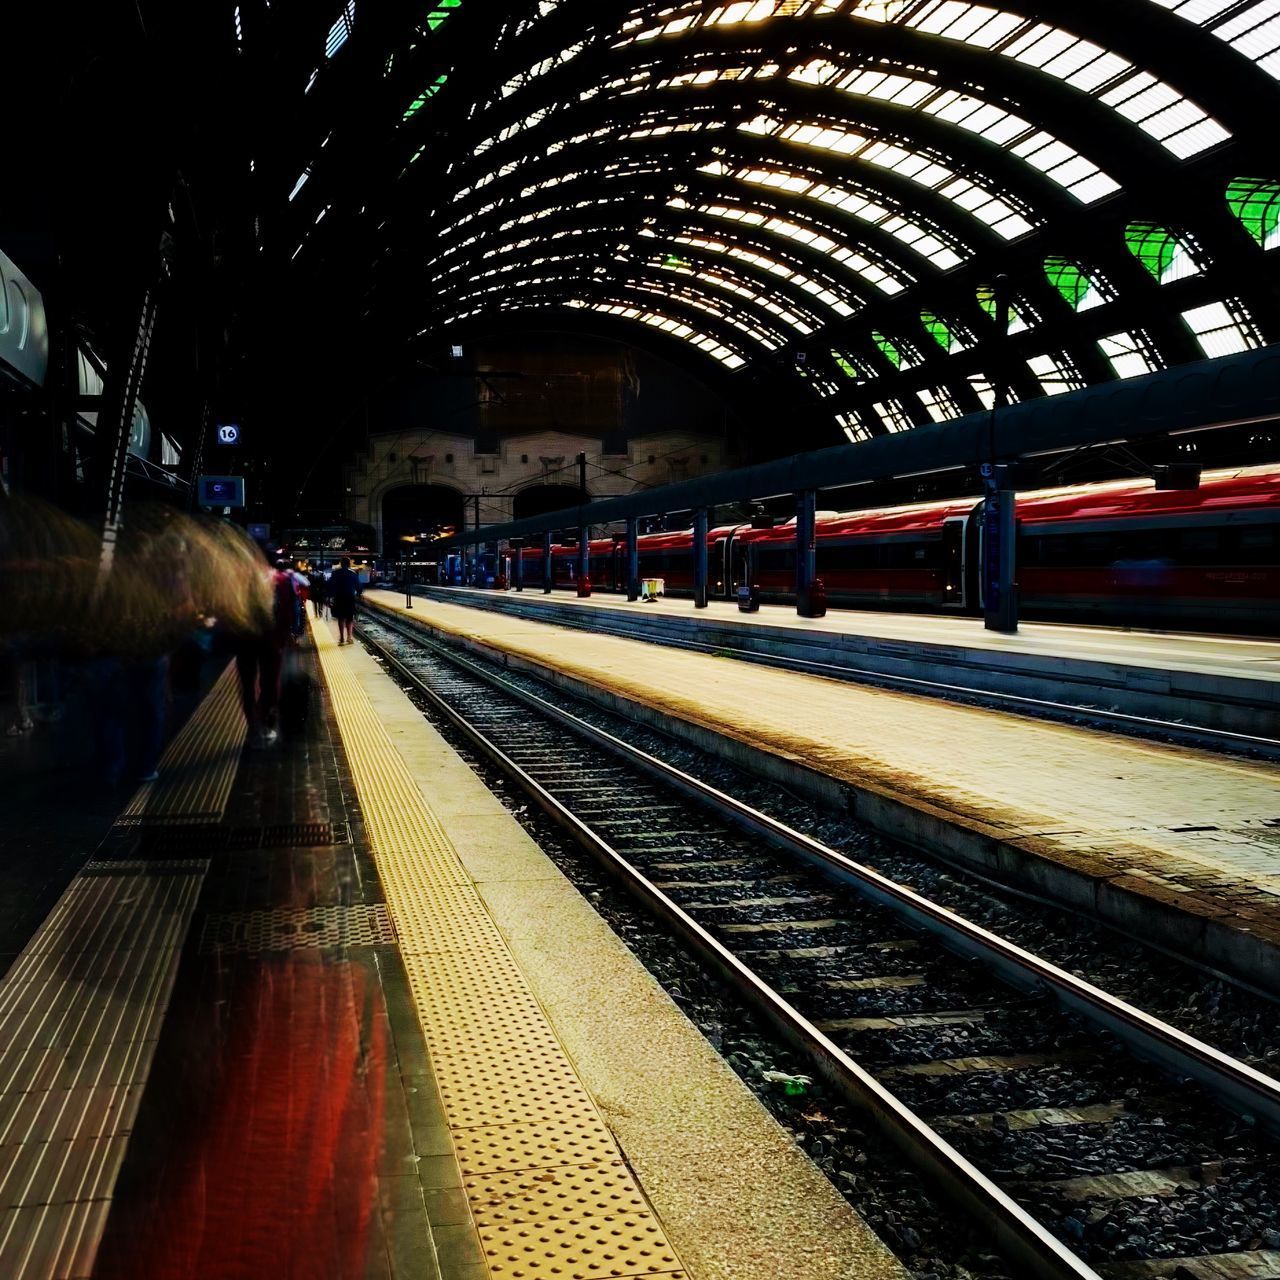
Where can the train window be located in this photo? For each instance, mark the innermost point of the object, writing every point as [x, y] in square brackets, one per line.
[1260, 545]
[1199, 546]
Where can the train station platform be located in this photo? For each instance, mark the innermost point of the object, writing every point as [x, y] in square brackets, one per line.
[1227, 683]
[319, 1011]
[1179, 846]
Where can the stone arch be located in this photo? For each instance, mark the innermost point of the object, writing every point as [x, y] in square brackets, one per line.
[403, 508]
[539, 499]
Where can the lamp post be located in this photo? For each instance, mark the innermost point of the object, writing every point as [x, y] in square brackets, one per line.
[408, 539]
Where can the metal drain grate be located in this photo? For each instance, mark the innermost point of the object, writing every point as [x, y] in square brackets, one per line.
[166, 841]
[359, 925]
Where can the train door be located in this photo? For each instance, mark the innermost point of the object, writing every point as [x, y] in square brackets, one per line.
[955, 562]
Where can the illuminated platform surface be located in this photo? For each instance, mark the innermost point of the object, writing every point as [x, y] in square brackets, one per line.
[1136, 822]
[1242, 657]
[319, 1011]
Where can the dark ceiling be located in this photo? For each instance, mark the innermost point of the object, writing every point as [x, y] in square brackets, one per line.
[804, 202]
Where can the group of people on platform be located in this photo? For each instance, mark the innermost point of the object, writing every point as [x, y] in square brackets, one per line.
[124, 635]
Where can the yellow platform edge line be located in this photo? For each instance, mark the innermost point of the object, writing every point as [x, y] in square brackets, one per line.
[521, 1113]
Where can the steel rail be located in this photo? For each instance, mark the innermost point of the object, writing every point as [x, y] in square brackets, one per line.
[1241, 1088]
[1037, 708]
[1017, 1235]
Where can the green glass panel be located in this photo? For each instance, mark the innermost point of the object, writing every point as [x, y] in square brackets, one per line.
[937, 330]
[1256, 202]
[1069, 279]
[675, 260]
[887, 349]
[844, 364]
[1153, 245]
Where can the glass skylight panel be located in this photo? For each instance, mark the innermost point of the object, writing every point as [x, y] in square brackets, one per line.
[854, 429]
[439, 13]
[1052, 157]
[872, 272]
[340, 32]
[1055, 372]
[1163, 254]
[1256, 203]
[1081, 290]
[893, 415]
[1220, 329]
[998, 212]
[732, 284]
[301, 182]
[1251, 29]
[926, 243]
[1128, 354]
[940, 404]
[824, 292]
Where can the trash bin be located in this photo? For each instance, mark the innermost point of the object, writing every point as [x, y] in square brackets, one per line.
[813, 602]
[584, 587]
[748, 599]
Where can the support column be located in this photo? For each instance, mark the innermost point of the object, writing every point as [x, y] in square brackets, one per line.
[475, 554]
[700, 558]
[584, 555]
[519, 550]
[633, 558]
[1000, 507]
[999, 551]
[806, 548]
[546, 563]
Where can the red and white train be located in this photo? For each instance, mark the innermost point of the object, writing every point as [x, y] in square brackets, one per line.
[1119, 552]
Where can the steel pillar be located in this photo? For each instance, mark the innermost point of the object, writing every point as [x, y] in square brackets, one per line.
[700, 558]
[520, 567]
[633, 557]
[584, 552]
[1000, 507]
[806, 546]
[546, 563]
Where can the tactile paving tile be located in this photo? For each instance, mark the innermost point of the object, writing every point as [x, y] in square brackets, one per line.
[570, 1249]
[520, 1088]
[540, 1195]
[501, 1148]
[543, 1175]
[290, 929]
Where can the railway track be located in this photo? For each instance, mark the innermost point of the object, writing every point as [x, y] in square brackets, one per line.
[1094, 1139]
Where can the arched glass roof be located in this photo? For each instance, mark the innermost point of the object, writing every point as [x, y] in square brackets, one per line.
[822, 191]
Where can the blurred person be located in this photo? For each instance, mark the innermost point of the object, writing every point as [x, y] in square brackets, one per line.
[319, 591]
[260, 655]
[344, 588]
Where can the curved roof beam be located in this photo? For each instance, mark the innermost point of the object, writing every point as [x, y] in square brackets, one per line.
[816, 299]
[784, 323]
[1092, 52]
[756, 335]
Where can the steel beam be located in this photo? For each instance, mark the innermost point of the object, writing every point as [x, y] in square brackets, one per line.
[1232, 390]
[700, 558]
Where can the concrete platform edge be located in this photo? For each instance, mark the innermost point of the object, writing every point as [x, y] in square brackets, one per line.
[1198, 698]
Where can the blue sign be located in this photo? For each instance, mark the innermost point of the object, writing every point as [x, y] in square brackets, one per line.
[221, 491]
[229, 433]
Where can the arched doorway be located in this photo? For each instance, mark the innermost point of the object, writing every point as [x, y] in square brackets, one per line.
[418, 509]
[539, 499]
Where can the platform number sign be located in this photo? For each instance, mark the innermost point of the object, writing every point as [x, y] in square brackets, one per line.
[229, 433]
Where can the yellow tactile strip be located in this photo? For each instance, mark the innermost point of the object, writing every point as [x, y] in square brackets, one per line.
[199, 767]
[548, 1190]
